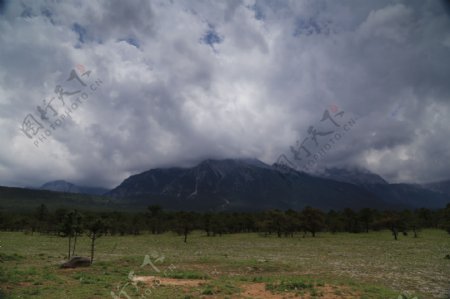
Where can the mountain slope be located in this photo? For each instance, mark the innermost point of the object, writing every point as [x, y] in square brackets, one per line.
[241, 184]
[357, 176]
[26, 199]
[441, 187]
[412, 195]
[435, 195]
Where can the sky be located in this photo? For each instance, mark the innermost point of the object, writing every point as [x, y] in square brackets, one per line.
[94, 91]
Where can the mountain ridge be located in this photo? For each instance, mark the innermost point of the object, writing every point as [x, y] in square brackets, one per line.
[233, 184]
[250, 184]
[64, 186]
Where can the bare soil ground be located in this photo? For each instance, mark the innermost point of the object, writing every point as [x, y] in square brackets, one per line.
[250, 290]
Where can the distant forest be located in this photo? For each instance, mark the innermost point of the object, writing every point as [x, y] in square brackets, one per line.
[289, 223]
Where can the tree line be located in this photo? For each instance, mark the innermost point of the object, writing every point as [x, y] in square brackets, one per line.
[155, 220]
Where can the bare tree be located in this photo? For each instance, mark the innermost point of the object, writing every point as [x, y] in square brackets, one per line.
[95, 229]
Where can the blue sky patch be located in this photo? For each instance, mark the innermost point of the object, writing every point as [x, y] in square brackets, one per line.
[311, 26]
[211, 37]
[131, 40]
[81, 32]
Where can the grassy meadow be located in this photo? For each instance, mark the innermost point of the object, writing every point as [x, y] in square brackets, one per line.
[341, 265]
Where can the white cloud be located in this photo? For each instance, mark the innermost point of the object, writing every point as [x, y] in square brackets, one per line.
[170, 98]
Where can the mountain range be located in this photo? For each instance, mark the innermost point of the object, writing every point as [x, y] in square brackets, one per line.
[249, 184]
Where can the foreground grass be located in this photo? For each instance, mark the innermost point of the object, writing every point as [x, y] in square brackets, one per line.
[348, 265]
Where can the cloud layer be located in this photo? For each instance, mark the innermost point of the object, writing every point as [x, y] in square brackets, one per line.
[188, 80]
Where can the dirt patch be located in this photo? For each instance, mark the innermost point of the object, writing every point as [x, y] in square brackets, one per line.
[258, 291]
[254, 290]
[164, 281]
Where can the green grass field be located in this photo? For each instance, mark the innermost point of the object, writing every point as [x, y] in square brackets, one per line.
[232, 266]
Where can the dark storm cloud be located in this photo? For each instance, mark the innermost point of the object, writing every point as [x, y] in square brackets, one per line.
[184, 81]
